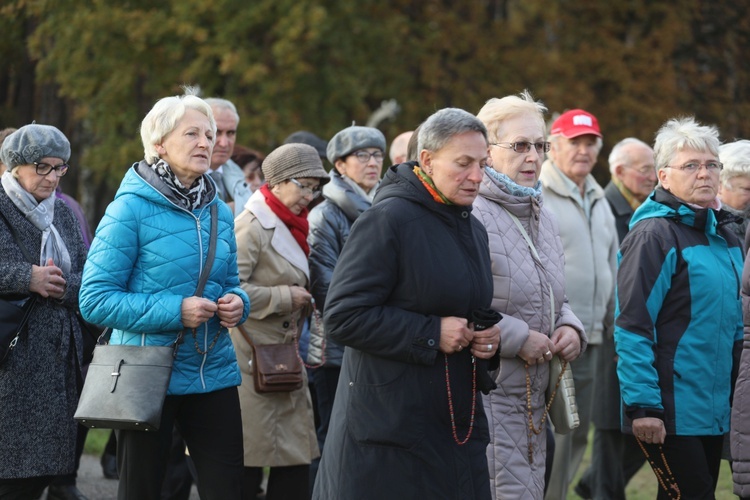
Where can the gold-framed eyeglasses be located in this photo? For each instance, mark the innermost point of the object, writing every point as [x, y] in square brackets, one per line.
[524, 146]
[306, 190]
[45, 168]
[693, 166]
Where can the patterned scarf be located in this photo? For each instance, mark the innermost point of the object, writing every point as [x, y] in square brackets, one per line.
[430, 186]
[41, 214]
[189, 197]
[297, 224]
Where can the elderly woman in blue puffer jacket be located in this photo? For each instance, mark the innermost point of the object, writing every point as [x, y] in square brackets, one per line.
[141, 279]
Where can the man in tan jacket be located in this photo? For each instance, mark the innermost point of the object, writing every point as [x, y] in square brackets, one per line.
[587, 230]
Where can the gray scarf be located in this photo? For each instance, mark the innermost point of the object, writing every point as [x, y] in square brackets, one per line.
[41, 215]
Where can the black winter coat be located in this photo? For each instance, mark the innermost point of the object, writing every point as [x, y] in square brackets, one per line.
[408, 262]
[330, 226]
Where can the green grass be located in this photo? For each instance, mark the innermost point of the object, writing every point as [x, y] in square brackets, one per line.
[96, 440]
[644, 485]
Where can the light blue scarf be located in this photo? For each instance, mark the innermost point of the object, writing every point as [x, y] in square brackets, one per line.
[513, 188]
[41, 215]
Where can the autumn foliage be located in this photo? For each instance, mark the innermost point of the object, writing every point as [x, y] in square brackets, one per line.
[95, 67]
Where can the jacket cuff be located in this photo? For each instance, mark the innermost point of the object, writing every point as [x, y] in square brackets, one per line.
[634, 412]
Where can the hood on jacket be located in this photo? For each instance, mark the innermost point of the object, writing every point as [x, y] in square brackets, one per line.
[401, 182]
[343, 196]
[141, 176]
[662, 203]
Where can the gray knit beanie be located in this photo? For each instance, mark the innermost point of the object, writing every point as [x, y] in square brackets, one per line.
[352, 139]
[31, 143]
[293, 161]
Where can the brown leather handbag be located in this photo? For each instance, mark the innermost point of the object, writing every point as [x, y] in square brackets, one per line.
[275, 367]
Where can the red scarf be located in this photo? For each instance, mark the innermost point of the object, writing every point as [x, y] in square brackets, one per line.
[297, 224]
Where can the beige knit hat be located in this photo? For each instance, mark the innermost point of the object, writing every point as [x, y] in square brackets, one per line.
[293, 161]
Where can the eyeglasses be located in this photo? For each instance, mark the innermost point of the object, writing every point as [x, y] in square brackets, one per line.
[524, 146]
[693, 166]
[306, 191]
[46, 168]
[364, 156]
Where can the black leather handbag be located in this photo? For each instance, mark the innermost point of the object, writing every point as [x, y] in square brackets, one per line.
[14, 314]
[126, 384]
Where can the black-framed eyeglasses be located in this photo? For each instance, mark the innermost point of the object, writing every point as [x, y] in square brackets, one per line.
[45, 168]
[524, 146]
[364, 156]
[692, 167]
[306, 191]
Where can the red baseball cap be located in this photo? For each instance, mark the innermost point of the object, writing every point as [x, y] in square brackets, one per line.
[574, 123]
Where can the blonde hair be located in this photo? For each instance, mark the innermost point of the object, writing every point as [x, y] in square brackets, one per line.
[496, 111]
[164, 116]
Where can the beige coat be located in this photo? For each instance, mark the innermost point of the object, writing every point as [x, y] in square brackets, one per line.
[278, 428]
[521, 294]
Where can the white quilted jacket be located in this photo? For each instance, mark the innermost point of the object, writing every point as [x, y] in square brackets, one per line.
[521, 294]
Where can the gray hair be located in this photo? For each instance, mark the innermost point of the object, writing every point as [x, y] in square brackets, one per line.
[684, 133]
[219, 103]
[617, 155]
[496, 111]
[736, 159]
[164, 116]
[442, 125]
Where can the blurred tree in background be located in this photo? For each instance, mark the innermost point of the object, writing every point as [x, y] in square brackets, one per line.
[95, 67]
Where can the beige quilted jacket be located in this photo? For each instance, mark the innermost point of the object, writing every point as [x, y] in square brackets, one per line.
[521, 294]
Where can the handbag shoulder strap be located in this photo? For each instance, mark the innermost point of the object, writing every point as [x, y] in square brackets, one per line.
[245, 334]
[17, 238]
[536, 255]
[211, 252]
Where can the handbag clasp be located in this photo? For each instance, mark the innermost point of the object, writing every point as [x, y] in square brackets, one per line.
[115, 374]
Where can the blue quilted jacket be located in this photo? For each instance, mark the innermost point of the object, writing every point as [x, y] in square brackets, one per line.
[146, 258]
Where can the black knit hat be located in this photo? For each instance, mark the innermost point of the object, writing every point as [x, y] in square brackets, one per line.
[305, 137]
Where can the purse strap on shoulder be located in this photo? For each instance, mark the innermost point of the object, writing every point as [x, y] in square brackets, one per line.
[245, 334]
[536, 256]
[211, 252]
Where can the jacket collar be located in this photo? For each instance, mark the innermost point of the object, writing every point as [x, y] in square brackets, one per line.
[282, 240]
[554, 180]
[662, 203]
[341, 194]
[617, 201]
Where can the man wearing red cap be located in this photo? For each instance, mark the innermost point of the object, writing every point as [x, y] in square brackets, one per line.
[589, 236]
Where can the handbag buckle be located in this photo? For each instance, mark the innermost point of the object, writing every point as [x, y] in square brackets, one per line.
[116, 374]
